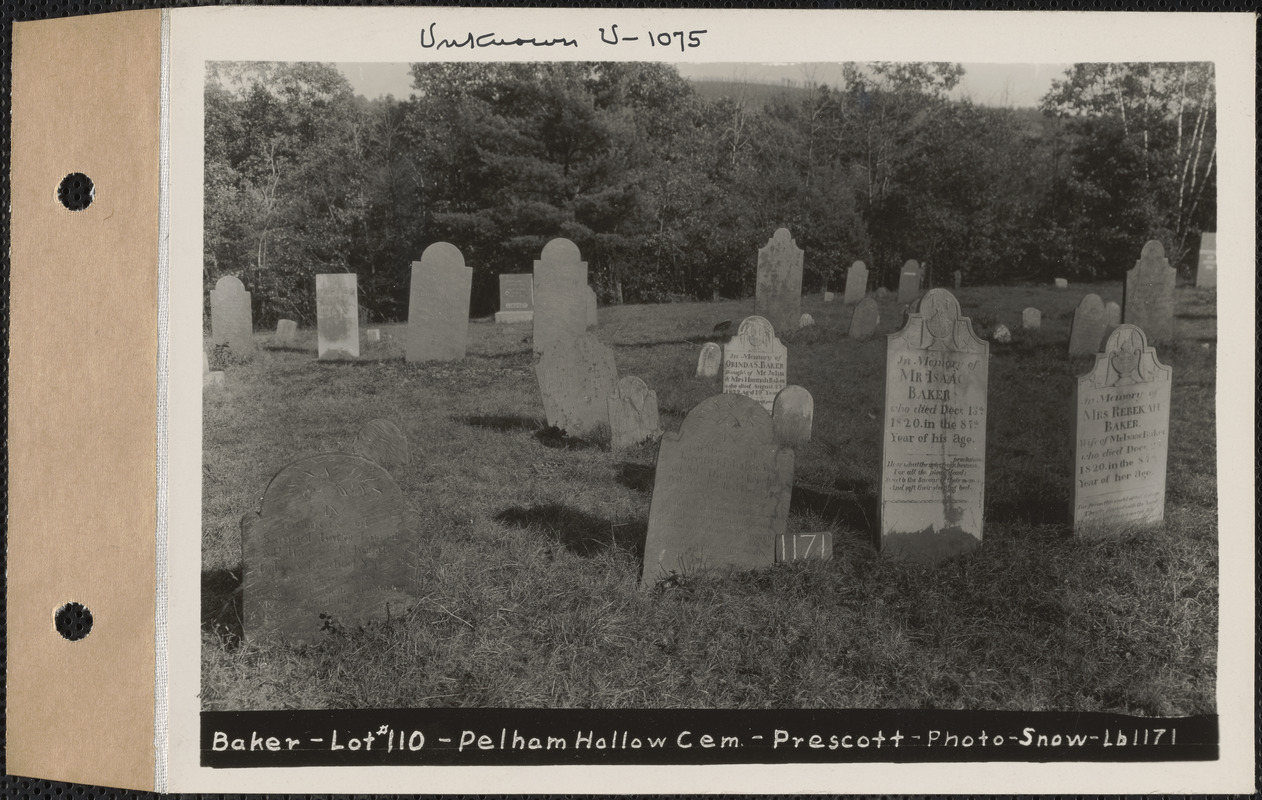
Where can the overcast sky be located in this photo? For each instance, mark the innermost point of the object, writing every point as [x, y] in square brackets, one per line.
[987, 84]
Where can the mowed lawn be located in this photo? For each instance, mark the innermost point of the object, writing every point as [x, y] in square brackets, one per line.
[530, 544]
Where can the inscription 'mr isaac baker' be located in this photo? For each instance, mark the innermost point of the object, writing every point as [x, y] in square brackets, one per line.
[473, 41]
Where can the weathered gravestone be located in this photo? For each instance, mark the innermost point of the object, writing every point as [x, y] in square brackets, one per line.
[372, 335]
[632, 414]
[1112, 314]
[517, 299]
[1207, 262]
[933, 450]
[792, 415]
[778, 293]
[829, 297]
[383, 443]
[328, 549]
[882, 292]
[560, 284]
[337, 320]
[576, 379]
[721, 493]
[438, 305]
[231, 322]
[1031, 319]
[909, 282]
[1149, 297]
[1062, 283]
[592, 321]
[866, 318]
[210, 378]
[286, 331]
[1002, 334]
[755, 363]
[1121, 431]
[856, 283]
[806, 321]
[958, 278]
[710, 361]
[1087, 329]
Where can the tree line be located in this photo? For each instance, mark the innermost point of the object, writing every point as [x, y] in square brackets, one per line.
[669, 187]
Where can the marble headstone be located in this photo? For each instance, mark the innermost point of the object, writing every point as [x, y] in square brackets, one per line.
[560, 286]
[1087, 329]
[1149, 298]
[856, 283]
[382, 442]
[755, 363]
[909, 282]
[517, 299]
[576, 379]
[778, 293]
[1207, 262]
[231, 320]
[866, 318]
[933, 448]
[286, 331]
[1031, 319]
[721, 493]
[337, 316]
[1121, 432]
[710, 361]
[792, 416]
[438, 305]
[632, 414]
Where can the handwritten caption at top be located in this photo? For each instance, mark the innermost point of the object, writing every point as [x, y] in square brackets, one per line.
[433, 39]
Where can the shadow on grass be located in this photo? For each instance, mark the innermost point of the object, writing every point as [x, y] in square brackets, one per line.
[362, 361]
[636, 477]
[855, 510]
[501, 422]
[284, 348]
[558, 440]
[580, 533]
[221, 604]
[1034, 503]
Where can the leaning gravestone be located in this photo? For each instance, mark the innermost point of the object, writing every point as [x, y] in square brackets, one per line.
[721, 493]
[933, 451]
[560, 285]
[231, 322]
[1207, 262]
[592, 321]
[337, 317]
[286, 331]
[710, 361]
[1031, 319]
[1121, 431]
[383, 443]
[576, 379]
[632, 414]
[856, 283]
[755, 363]
[1087, 329]
[1149, 297]
[866, 318]
[517, 299]
[792, 415]
[328, 549]
[909, 282]
[438, 305]
[778, 294]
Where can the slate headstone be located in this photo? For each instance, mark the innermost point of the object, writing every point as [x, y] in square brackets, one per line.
[231, 322]
[1121, 433]
[576, 379]
[1207, 261]
[1031, 319]
[721, 492]
[337, 316]
[517, 299]
[933, 451]
[856, 283]
[806, 321]
[286, 331]
[438, 305]
[710, 361]
[866, 318]
[1149, 297]
[778, 293]
[632, 414]
[328, 549]
[560, 286]
[755, 363]
[909, 282]
[792, 416]
[382, 442]
[1087, 329]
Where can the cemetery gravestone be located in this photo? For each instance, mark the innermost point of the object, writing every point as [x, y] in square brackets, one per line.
[806, 321]
[1149, 297]
[882, 292]
[337, 319]
[576, 379]
[721, 493]
[560, 286]
[1112, 314]
[856, 283]
[866, 318]
[1087, 329]
[1061, 283]
[517, 299]
[933, 450]
[231, 322]
[792, 415]
[909, 282]
[372, 335]
[755, 363]
[710, 361]
[1031, 319]
[1207, 262]
[329, 547]
[438, 305]
[959, 278]
[828, 297]
[632, 414]
[383, 443]
[778, 294]
[286, 331]
[591, 308]
[1002, 334]
[210, 378]
[1121, 431]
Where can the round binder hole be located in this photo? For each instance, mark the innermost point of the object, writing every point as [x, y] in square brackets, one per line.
[76, 191]
[73, 621]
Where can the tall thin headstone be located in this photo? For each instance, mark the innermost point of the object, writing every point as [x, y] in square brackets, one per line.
[560, 285]
[576, 379]
[778, 293]
[909, 282]
[721, 493]
[231, 320]
[1149, 297]
[517, 299]
[755, 363]
[856, 283]
[710, 361]
[438, 305]
[632, 414]
[1121, 433]
[933, 451]
[1207, 261]
[866, 318]
[1087, 328]
[337, 316]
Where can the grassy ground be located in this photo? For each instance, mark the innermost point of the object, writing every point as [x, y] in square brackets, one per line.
[530, 544]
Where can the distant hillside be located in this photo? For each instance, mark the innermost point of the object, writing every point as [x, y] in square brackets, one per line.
[755, 94]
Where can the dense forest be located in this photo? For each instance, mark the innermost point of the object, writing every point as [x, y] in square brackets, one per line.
[669, 187]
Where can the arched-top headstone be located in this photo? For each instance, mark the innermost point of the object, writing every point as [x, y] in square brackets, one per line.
[721, 492]
[382, 442]
[909, 282]
[792, 416]
[329, 548]
[561, 251]
[438, 305]
[1087, 328]
[778, 292]
[231, 318]
[866, 318]
[755, 363]
[561, 295]
[710, 361]
[1031, 319]
[632, 414]
[856, 283]
[806, 321]
[576, 379]
[1149, 297]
